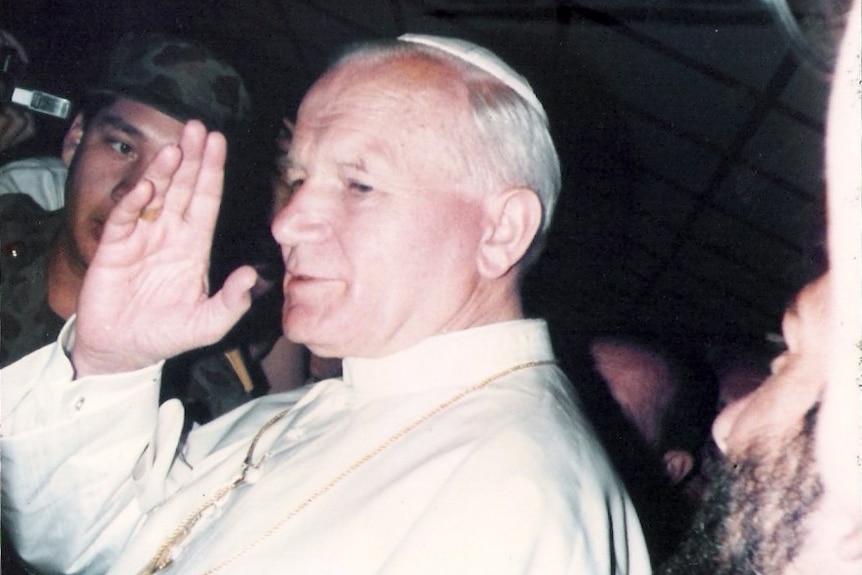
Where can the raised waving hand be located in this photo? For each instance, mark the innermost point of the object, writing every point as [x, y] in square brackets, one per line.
[145, 295]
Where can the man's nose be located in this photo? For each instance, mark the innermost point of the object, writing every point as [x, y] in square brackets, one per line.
[128, 179]
[722, 426]
[304, 219]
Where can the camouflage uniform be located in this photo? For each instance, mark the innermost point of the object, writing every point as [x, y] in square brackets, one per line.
[27, 322]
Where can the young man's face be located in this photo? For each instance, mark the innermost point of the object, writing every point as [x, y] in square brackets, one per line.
[117, 144]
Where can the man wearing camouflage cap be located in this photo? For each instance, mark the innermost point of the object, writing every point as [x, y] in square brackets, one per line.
[151, 86]
[178, 78]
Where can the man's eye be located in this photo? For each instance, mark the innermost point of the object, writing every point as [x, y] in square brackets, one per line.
[293, 185]
[360, 187]
[281, 194]
[122, 147]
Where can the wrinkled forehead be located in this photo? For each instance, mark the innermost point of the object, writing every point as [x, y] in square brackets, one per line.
[408, 84]
[409, 112]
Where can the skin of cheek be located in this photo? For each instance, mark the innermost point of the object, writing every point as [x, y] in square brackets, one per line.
[83, 231]
[390, 274]
[89, 207]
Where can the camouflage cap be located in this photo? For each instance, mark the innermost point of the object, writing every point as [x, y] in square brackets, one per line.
[177, 77]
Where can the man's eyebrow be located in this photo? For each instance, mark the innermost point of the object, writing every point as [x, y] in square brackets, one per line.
[287, 162]
[358, 165]
[120, 124]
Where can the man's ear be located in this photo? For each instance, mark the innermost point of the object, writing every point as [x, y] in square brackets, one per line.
[72, 140]
[677, 465]
[514, 216]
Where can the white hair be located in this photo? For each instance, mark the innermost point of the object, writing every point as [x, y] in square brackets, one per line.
[513, 145]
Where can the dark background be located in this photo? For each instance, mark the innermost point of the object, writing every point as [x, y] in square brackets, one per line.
[690, 135]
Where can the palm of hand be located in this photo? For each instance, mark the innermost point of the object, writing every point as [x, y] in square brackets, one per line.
[145, 295]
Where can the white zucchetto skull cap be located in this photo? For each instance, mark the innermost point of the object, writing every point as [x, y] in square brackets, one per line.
[483, 59]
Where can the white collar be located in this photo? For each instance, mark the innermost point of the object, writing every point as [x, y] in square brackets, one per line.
[457, 359]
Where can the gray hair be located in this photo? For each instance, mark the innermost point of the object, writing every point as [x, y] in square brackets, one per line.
[514, 147]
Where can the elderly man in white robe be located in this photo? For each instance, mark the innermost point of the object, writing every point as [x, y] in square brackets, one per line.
[422, 177]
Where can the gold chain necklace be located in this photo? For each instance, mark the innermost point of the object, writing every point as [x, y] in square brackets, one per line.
[164, 556]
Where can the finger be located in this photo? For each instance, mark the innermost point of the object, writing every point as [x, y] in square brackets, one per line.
[160, 173]
[235, 293]
[204, 206]
[192, 142]
[145, 197]
[225, 308]
[124, 217]
[14, 125]
[27, 130]
[10, 40]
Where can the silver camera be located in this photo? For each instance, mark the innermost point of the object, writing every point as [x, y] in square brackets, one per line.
[35, 100]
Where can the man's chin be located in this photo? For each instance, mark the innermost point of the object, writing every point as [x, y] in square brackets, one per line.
[753, 517]
[302, 330]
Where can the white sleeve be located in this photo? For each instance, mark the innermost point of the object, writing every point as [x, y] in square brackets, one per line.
[80, 458]
[43, 179]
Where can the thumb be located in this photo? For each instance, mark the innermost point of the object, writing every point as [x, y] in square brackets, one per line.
[227, 306]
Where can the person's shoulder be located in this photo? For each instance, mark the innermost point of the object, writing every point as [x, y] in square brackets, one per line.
[540, 421]
[25, 165]
[41, 178]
